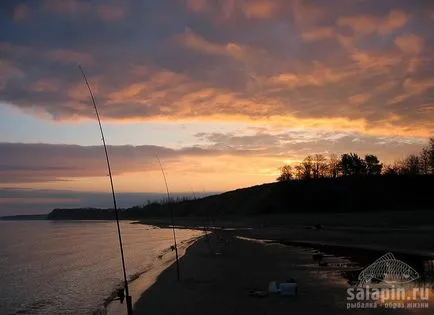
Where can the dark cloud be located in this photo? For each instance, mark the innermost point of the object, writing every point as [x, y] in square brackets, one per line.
[44, 162]
[250, 59]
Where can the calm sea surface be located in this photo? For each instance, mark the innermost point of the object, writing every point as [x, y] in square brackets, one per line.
[71, 267]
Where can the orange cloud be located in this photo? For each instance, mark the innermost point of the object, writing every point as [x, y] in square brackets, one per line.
[304, 14]
[69, 56]
[374, 62]
[20, 12]
[320, 75]
[79, 92]
[260, 9]
[299, 11]
[198, 5]
[365, 25]
[359, 98]
[194, 42]
[231, 72]
[181, 98]
[415, 86]
[317, 34]
[409, 43]
[111, 12]
[419, 62]
[46, 85]
[385, 86]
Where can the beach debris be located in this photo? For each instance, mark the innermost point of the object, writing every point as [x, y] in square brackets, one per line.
[290, 287]
[273, 288]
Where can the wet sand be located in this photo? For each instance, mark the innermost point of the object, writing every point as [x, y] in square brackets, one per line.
[148, 278]
[219, 282]
[410, 240]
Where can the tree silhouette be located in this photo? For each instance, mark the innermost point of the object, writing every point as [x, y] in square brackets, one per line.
[392, 169]
[307, 167]
[411, 165]
[351, 164]
[373, 165]
[425, 161]
[319, 166]
[285, 173]
[299, 171]
[333, 166]
[430, 153]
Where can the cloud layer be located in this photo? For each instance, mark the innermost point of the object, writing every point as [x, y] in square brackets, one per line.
[255, 153]
[347, 65]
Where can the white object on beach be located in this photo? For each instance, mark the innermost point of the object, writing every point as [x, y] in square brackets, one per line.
[288, 288]
[273, 288]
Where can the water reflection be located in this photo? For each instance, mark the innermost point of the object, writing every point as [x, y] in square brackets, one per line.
[343, 265]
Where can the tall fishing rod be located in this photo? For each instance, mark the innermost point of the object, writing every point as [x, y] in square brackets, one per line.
[205, 230]
[171, 218]
[127, 293]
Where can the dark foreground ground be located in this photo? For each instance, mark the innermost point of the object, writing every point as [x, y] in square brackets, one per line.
[217, 276]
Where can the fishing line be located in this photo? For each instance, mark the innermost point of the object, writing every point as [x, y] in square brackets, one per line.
[128, 297]
[171, 218]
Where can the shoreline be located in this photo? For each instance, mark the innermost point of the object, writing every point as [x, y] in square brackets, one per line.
[332, 246]
[147, 278]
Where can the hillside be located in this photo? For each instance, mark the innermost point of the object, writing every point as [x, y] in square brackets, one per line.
[344, 194]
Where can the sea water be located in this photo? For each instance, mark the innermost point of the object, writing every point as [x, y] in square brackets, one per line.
[72, 267]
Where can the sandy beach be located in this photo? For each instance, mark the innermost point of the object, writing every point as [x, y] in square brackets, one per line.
[218, 276]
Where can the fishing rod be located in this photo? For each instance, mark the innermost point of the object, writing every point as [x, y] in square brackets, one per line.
[192, 191]
[171, 218]
[127, 293]
[205, 230]
[211, 218]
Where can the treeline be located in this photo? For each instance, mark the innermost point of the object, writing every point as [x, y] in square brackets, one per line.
[327, 195]
[151, 209]
[351, 164]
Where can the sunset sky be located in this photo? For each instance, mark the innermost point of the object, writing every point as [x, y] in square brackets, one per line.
[224, 92]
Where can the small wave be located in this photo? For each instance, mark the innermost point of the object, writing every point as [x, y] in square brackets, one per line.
[114, 293]
[158, 260]
[34, 307]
